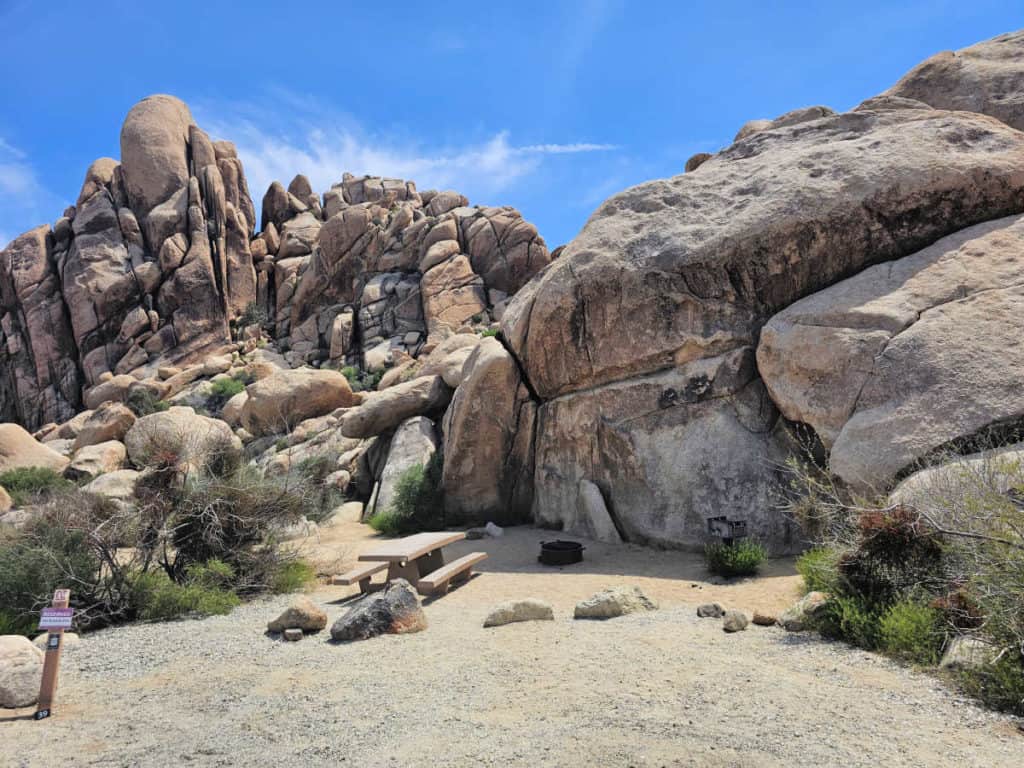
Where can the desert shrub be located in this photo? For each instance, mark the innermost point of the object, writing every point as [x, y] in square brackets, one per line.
[222, 390]
[999, 684]
[738, 558]
[28, 484]
[361, 381]
[819, 569]
[253, 314]
[418, 504]
[489, 332]
[293, 576]
[143, 402]
[912, 632]
[851, 619]
[155, 597]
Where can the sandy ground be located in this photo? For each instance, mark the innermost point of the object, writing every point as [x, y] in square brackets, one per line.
[658, 689]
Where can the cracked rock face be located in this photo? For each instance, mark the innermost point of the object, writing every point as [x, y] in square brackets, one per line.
[905, 356]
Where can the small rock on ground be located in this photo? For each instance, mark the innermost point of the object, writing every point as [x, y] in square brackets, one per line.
[394, 610]
[710, 611]
[21, 669]
[529, 609]
[303, 614]
[617, 601]
[734, 621]
[764, 619]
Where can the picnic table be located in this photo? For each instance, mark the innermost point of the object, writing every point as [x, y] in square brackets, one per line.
[419, 559]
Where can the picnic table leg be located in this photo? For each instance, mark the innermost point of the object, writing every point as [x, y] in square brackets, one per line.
[430, 562]
[407, 571]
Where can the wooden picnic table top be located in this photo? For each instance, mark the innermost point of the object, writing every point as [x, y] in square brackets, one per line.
[411, 547]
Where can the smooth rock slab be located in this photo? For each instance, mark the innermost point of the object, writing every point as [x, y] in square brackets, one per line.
[710, 611]
[21, 670]
[303, 614]
[395, 610]
[616, 601]
[530, 609]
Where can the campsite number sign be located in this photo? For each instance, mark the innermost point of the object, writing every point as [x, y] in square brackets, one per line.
[54, 620]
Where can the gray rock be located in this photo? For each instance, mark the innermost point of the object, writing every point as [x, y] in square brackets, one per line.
[529, 609]
[710, 611]
[801, 614]
[394, 610]
[964, 652]
[734, 621]
[21, 669]
[616, 601]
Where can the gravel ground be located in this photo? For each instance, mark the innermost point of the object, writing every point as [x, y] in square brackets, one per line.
[658, 689]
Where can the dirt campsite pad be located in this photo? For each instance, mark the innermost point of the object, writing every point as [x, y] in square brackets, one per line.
[663, 688]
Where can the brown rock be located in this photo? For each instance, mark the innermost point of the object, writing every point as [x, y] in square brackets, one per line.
[488, 464]
[97, 459]
[183, 436]
[452, 294]
[110, 421]
[424, 396]
[154, 151]
[19, 449]
[303, 614]
[763, 619]
[282, 400]
[5, 500]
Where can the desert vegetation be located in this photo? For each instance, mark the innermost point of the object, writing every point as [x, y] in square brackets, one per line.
[934, 567]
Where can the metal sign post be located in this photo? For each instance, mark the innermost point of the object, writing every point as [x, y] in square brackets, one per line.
[55, 620]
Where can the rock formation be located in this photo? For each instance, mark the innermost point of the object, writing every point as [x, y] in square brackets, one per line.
[857, 275]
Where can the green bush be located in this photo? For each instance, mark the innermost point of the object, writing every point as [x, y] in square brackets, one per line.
[912, 632]
[143, 402]
[818, 568]
[999, 685]
[361, 381]
[253, 314]
[489, 332]
[28, 484]
[222, 390]
[739, 558]
[851, 619]
[155, 597]
[292, 577]
[418, 503]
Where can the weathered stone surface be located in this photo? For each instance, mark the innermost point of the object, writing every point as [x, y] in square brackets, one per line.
[801, 614]
[414, 442]
[425, 396]
[710, 611]
[110, 421]
[768, 220]
[21, 669]
[154, 151]
[696, 161]
[115, 389]
[118, 485]
[488, 440]
[616, 601]
[986, 77]
[183, 434]
[734, 621]
[965, 652]
[668, 450]
[97, 459]
[453, 294]
[394, 610]
[19, 449]
[883, 363]
[5, 500]
[302, 614]
[280, 401]
[530, 609]
[592, 518]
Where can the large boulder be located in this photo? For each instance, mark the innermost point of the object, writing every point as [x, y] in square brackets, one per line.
[118, 485]
[639, 337]
[278, 402]
[181, 436]
[987, 77]
[21, 669]
[110, 421]
[382, 411]
[154, 151]
[414, 443]
[95, 460]
[395, 610]
[19, 449]
[488, 446]
[906, 356]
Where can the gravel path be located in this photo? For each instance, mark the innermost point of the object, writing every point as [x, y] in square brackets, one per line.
[659, 689]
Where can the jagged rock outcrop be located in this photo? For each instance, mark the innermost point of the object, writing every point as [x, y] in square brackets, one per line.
[906, 356]
[987, 77]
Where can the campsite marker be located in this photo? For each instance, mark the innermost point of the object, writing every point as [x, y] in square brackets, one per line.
[55, 620]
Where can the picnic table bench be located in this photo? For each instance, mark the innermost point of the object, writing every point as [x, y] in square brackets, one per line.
[419, 559]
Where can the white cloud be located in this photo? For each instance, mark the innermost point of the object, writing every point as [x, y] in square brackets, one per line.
[24, 201]
[323, 146]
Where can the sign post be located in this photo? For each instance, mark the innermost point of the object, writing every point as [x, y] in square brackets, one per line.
[55, 620]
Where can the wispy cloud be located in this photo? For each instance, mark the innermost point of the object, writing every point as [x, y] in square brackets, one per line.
[24, 201]
[323, 145]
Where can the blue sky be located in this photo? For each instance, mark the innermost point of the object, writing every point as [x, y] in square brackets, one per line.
[547, 106]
